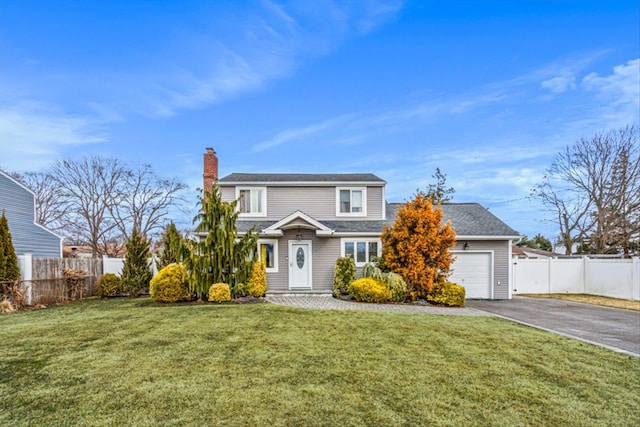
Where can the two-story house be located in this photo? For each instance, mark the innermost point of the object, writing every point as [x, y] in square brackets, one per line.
[307, 221]
[18, 203]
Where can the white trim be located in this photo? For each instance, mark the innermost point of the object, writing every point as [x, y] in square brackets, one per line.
[463, 237]
[263, 197]
[510, 275]
[302, 183]
[280, 225]
[357, 233]
[491, 265]
[291, 260]
[384, 203]
[273, 242]
[355, 241]
[352, 214]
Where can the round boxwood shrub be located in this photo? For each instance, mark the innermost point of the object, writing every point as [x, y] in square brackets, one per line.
[447, 293]
[108, 285]
[369, 290]
[170, 285]
[219, 292]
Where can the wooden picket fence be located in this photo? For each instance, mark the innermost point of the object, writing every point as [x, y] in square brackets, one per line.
[47, 283]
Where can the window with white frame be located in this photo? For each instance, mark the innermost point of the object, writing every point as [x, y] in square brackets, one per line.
[268, 254]
[351, 201]
[361, 250]
[252, 201]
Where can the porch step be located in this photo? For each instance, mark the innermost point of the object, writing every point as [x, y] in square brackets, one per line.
[299, 293]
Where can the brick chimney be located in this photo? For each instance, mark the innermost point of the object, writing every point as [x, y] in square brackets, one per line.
[210, 174]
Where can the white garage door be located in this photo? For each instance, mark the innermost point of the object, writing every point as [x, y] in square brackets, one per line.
[473, 271]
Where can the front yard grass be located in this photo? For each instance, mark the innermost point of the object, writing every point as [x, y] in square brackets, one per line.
[592, 299]
[124, 362]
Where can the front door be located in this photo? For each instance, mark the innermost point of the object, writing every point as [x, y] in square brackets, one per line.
[299, 264]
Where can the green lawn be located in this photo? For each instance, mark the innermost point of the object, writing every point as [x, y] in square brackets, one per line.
[125, 362]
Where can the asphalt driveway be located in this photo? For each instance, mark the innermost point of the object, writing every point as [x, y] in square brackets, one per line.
[613, 328]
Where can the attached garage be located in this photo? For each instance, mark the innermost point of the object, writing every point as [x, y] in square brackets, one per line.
[474, 271]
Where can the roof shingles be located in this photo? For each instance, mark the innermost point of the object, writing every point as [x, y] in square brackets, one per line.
[468, 219]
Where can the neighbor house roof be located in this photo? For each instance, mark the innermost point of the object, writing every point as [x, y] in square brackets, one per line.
[299, 178]
[468, 220]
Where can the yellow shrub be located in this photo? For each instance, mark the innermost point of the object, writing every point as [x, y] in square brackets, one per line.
[370, 290]
[219, 292]
[108, 285]
[447, 293]
[257, 284]
[170, 285]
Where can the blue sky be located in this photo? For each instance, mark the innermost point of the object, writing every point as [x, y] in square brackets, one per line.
[489, 91]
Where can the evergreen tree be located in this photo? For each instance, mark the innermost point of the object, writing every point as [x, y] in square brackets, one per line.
[417, 245]
[438, 192]
[9, 269]
[219, 255]
[170, 246]
[136, 273]
[537, 242]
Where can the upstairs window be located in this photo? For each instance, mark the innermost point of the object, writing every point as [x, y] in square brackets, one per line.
[252, 201]
[351, 201]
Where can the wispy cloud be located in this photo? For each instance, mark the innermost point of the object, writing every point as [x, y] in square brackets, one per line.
[621, 88]
[560, 84]
[269, 45]
[32, 133]
[295, 134]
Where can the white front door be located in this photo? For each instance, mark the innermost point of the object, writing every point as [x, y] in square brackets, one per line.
[299, 264]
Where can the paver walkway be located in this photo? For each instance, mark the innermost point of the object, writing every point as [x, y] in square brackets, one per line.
[317, 302]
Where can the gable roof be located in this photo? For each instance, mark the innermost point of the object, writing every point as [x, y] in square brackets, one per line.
[301, 178]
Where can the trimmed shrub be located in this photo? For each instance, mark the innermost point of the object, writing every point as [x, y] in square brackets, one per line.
[369, 290]
[240, 290]
[219, 292]
[447, 293]
[257, 284]
[171, 284]
[394, 282]
[344, 274]
[108, 285]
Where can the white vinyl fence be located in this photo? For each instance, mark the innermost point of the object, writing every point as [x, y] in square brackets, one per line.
[616, 278]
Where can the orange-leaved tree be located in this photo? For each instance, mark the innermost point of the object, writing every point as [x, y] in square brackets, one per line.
[417, 245]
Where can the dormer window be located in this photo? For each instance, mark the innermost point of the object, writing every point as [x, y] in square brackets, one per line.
[351, 201]
[252, 201]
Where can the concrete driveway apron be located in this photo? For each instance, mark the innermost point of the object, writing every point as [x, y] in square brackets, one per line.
[614, 328]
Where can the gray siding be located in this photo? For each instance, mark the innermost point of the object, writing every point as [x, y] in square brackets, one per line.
[501, 263]
[317, 202]
[18, 204]
[324, 252]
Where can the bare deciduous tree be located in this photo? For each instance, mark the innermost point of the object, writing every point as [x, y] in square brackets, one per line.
[593, 189]
[51, 206]
[145, 200]
[91, 185]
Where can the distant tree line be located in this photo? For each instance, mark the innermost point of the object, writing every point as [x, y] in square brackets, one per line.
[100, 201]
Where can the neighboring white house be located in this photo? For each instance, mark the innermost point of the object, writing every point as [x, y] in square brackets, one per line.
[18, 203]
[307, 221]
